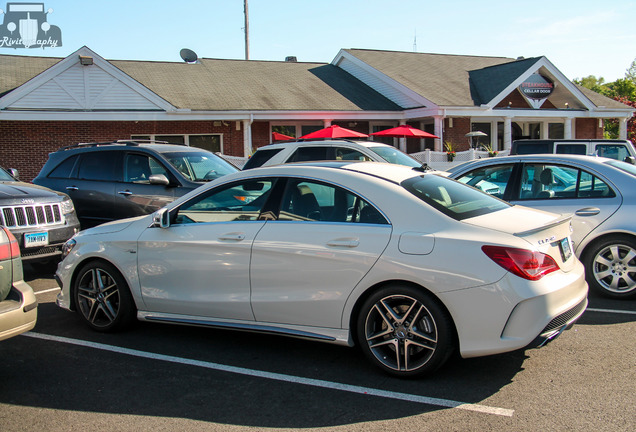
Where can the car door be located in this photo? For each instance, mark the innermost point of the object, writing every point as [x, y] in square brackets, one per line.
[307, 261]
[92, 187]
[135, 195]
[562, 188]
[199, 265]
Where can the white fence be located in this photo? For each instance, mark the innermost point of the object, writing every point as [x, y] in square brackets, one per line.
[436, 160]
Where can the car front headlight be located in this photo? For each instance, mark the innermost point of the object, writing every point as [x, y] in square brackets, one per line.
[67, 206]
[68, 247]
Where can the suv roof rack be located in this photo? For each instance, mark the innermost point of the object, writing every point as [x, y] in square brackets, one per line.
[120, 142]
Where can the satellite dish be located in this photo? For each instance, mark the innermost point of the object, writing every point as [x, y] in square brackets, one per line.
[188, 55]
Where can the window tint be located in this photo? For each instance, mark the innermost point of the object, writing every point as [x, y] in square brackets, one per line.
[65, 169]
[313, 201]
[304, 154]
[453, 198]
[580, 149]
[260, 157]
[492, 180]
[542, 181]
[533, 148]
[240, 201]
[138, 168]
[99, 165]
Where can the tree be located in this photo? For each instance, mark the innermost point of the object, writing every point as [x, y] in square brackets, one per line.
[631, 72]
[593, 83]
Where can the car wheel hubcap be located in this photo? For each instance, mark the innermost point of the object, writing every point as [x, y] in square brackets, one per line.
[615, 268]
[401, 333]
[98, 297]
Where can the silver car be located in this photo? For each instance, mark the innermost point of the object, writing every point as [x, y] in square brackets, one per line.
[599, 192]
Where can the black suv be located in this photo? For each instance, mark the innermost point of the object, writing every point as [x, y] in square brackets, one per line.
[39, 218]
[116, 180]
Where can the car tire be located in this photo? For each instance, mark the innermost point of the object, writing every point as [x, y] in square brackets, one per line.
[405, 331]
[610, 267]
[102, 297]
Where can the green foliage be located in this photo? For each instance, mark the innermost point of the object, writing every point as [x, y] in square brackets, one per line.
[594, 84]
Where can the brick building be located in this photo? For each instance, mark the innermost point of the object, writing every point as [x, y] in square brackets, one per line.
[233, 106]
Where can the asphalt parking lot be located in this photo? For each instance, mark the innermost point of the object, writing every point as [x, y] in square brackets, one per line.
[64, 377]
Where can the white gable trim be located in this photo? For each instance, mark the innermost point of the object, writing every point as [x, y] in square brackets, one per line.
[56, 80]
[561, 79]
[386, 86]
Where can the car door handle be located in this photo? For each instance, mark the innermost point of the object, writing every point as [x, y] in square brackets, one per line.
[588, 211]
[343, 243]
[72, 188]
[232, 237]
[125, 192]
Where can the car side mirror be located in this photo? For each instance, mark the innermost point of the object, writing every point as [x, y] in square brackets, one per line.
[14, 173]
[161, 218]
[159, 179]
[631, 160]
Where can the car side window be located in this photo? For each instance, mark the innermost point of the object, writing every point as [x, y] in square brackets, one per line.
[545, 181]
[139, 167]
[492, 180]
[347, 154]
[305, 154]
[313, 201]
[99, 166]
[65, 169]
[241, 201]
[612, 151]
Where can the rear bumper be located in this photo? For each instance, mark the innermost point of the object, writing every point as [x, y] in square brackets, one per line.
[558, 325]
[18, 313]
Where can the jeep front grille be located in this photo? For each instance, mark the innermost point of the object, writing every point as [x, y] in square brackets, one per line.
[31, 215]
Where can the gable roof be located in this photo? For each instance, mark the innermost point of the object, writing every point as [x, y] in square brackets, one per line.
[226, 85]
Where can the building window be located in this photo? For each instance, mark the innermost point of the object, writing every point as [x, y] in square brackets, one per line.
[210, 142]
[556, 131]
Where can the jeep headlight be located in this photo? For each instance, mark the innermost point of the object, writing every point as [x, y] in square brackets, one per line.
[67, 206]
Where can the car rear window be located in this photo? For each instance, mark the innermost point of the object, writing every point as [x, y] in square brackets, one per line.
[260, 157]
[453, 198]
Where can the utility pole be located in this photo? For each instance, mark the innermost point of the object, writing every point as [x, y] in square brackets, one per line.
[247, 32]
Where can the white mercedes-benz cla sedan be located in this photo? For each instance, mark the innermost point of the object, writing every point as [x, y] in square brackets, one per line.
[408, 265]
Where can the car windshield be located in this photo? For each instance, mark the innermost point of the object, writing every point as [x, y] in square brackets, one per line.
[395, 156]
[5, 176]
[200, 166]
[453, 198]
[623, 166]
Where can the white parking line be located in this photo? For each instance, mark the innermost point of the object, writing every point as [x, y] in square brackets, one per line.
[281, 377]
[616, 311]
[47, 291]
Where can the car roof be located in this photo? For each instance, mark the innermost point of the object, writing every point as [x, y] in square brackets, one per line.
[548, 157]
[329, 142]
[132, 144]
[385, 171]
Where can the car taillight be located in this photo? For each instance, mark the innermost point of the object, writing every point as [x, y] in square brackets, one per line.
[11, 249]
[524, 263]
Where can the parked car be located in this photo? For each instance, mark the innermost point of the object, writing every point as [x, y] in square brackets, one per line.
[383, 256]
[116, 180]
[322, 150]
[622, 150]
[18, 305]
[39, 218]
[600, 193]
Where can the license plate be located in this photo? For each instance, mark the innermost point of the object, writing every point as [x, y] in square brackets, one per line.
[566, 249]
[36, 239]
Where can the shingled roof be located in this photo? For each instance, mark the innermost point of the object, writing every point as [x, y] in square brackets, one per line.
[226, 85]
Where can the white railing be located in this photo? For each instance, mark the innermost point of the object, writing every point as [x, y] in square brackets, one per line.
[436, 160]
[440, 161]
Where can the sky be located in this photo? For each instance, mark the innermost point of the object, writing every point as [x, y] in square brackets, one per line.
[580, 38]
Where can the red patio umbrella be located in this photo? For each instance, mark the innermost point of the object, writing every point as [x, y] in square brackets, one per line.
[334, 131]
[281, 137]
[404, 131]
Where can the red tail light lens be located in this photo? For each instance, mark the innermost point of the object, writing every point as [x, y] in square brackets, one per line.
[522, 262]
[11, 249]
